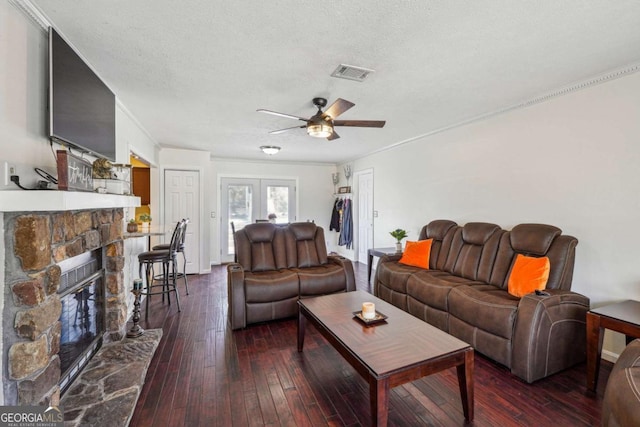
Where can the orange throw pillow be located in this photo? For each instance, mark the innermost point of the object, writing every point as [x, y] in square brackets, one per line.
[528, 274]
[417, 253]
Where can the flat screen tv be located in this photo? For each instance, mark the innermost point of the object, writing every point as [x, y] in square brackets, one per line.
[82, 109]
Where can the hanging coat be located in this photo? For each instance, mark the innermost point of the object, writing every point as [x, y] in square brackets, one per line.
[346, 234]
[335, 216]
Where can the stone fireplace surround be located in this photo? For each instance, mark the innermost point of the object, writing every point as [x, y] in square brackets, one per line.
[35, 241]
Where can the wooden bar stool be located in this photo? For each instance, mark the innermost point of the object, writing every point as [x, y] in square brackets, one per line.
[183, 234]
[166, 257]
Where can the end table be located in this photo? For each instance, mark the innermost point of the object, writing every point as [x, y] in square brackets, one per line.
[377, 252]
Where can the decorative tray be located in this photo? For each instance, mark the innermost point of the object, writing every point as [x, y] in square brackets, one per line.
[379, 318]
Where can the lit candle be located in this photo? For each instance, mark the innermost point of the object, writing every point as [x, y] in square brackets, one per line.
[368, 310]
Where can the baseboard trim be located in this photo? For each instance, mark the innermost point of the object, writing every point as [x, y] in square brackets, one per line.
[610, 356]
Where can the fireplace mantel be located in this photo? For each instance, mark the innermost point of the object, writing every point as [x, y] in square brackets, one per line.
[52, 200]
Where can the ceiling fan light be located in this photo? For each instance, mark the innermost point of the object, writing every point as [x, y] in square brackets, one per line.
[319, 130]
[270, 149]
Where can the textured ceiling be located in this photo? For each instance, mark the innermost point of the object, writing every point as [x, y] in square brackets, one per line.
[194, 72]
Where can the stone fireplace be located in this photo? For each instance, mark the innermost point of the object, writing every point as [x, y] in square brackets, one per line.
[41, 248]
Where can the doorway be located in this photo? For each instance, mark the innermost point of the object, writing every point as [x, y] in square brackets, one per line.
[247, 200]
[182, 200]
[365, 213]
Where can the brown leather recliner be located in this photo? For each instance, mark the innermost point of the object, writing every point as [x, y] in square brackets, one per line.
[621, 403]
[276, 266]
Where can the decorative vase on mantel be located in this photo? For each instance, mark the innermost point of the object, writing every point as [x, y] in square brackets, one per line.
[398, 246]
[132, 227]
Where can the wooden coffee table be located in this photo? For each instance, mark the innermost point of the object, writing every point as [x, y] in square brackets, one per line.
[400, 350]
[623, 317]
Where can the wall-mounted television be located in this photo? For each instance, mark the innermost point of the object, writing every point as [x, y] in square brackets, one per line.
[82, 109]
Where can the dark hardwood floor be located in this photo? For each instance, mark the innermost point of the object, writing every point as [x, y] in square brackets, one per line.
[203, 374]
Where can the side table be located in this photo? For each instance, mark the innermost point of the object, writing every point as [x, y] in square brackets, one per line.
[377, 252]
[623, 317]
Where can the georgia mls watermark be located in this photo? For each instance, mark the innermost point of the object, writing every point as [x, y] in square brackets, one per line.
[31, 416]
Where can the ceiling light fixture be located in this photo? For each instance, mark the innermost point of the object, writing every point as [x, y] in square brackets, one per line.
[270, 149]
[319, 130]
[319, 126]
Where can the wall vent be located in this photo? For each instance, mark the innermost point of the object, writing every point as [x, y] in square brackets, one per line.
[351, 72]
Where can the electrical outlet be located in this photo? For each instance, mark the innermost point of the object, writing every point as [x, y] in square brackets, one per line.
[7, 171]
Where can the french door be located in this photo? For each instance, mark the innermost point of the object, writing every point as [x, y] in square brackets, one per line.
[248, 200]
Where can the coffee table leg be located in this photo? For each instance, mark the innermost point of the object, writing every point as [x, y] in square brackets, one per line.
[465, 382]
[379, 397]
[302, 323]
[594, 349]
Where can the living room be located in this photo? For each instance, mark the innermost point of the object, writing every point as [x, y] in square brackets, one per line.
[566, 155]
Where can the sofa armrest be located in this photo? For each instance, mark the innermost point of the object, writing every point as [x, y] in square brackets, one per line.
[348, 270]
[236, 296]
[390, 257]
[382, 260]
[550, 334]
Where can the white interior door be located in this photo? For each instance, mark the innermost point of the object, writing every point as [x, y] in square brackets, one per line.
[182, 200]
[247, 200]
[365, 214]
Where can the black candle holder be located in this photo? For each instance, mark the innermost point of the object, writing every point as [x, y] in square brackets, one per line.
[136, 330]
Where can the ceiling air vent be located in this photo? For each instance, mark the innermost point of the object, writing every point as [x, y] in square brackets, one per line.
[351, 72]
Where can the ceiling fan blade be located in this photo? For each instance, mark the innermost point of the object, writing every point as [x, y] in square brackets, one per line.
[360, 123]
[338, 107]
[333, 136]
[275, 132]
[288, 116]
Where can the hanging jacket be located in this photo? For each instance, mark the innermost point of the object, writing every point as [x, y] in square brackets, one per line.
[335, 216]
[346, 234]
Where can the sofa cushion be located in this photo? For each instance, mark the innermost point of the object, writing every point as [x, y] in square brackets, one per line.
[394, 275]
[534, 239]
[305, 245]
[417, 253]
[260, 247]
[527, 275]
[441, 231]
[486, 306]
[473, 251]
[432, 287]
[268, 286]
[321, 280]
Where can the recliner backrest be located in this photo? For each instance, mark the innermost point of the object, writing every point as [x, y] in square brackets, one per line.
[442, 232]
[536, 240]
[305, 245]
[261, 247]
[473, 250]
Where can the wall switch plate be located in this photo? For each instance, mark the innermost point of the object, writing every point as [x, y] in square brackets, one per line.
[213, 214]
[375, 214]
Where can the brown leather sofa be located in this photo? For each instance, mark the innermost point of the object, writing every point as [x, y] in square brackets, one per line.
[277, 265]
[621, 403]
[464, 292]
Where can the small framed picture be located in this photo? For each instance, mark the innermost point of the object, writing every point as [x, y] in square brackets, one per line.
[343, 190]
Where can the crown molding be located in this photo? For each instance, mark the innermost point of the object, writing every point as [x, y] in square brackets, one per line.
[33, 13]
[566, 90]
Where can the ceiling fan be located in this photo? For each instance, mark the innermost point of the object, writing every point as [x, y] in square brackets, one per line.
[321, 124]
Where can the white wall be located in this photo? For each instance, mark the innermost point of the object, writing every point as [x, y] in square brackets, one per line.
[572, 162]
[23, 102]
[314, 192]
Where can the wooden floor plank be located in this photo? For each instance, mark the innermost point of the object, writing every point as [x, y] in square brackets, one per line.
[204, 374]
